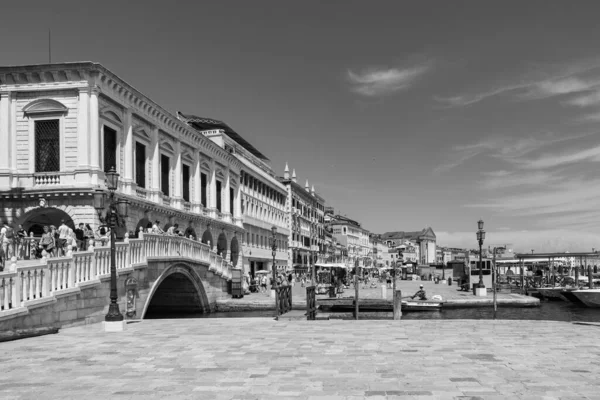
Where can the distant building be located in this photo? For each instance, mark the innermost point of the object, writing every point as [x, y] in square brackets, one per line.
[424, 240]
[306, 212]
[355, 238]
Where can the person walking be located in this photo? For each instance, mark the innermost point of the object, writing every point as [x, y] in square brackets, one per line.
[47, 241]
[63, 236]
[21, 243]
[8, 241]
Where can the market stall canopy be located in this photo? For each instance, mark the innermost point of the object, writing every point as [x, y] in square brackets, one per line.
[331, 266]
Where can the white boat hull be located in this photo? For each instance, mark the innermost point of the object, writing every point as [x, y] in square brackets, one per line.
[589, 297]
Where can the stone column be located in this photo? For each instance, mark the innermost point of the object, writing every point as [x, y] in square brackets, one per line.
[197, 195]
[155, 162]
[5, 175]
[226, 207]
[95, 144]
[13, 139]
[128, 160]
[213, 190]
[82, 174]
[178, 178]
[238, 218]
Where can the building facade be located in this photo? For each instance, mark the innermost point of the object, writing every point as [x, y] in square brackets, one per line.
[306, 210]
[263, 197]
[424, 240]
[63, 126]
[351, 235]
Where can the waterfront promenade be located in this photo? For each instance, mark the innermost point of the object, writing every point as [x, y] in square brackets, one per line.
[451, 295]
[259, 358]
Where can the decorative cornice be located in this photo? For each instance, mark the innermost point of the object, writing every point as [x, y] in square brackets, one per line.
[79, 75]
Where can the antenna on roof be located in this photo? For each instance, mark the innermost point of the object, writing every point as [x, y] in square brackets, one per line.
[49, 47]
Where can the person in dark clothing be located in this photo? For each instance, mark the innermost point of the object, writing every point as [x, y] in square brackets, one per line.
[420, 294]
[80, 236]
[189, 231]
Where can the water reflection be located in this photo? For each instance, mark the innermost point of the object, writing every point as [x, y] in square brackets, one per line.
[550, 311]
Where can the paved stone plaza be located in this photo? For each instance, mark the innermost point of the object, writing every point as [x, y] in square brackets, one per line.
[258, 358]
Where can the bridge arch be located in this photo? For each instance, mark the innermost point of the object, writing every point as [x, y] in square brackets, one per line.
[179, 289]
[235, 250]
[207, 238]
[35, 219]
[222, 245]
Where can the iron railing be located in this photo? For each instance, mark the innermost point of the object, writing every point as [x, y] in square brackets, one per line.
[284, 297]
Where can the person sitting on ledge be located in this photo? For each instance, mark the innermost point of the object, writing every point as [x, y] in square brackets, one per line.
[420, 294]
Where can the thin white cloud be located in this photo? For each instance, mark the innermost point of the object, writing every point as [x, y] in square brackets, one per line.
[504, 148]
[379, 82]
[586, 100]
[554, 160]
[557, 87]
[561, 82]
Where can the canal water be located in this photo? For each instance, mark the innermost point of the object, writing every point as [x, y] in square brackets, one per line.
[548, 310]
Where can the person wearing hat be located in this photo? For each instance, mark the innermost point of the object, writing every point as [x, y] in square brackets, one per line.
[420, 294]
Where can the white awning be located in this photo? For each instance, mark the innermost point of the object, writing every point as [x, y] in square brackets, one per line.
[331, 266]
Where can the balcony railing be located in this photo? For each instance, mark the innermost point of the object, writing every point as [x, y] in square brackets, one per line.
[47, 178]
[44, 280]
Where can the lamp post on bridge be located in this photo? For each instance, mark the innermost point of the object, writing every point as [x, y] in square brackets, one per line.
[115, 207]
[274, 268]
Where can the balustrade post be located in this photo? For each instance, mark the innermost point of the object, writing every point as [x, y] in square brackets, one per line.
[45, 282]
[15, 292]
[71, 272]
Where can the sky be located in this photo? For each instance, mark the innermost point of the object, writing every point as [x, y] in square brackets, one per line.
[403, 114]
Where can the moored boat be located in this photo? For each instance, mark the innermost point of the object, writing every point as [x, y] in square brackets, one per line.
[589, 297]
[551, 293]
[421, 305]
[567, 295]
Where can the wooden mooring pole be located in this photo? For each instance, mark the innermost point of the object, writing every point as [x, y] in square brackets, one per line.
[356, 287]
[397, 304]
[590, 281]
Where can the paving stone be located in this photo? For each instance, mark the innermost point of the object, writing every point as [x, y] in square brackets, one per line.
[257, 358]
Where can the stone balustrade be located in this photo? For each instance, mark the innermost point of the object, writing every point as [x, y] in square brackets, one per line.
[43, 278]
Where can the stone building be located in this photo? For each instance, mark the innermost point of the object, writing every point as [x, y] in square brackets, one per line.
[63, 126]
[424, 241]
[354, 237]
[263, 197]
[306, 223]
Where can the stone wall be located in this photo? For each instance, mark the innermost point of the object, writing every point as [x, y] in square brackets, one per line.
[88, 303]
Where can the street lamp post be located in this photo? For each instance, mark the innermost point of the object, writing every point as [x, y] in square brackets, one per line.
[480, 239]
[274, 268]
[115, 207]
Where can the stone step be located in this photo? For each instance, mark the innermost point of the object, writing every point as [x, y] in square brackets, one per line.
[294, 315]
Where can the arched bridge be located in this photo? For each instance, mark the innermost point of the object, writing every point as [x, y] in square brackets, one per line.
[156, 274]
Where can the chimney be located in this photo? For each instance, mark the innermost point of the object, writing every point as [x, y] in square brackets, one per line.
[306, 187]
[312, 190]
[294, 175]
[286, 173]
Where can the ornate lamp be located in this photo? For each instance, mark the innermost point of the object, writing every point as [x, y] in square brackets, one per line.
[112, 179]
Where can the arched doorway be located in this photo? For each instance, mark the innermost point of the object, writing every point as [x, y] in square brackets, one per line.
[143, 223]
[222, 245]
[35, 220]
[207, 238]
[235, 250]
[178, 291]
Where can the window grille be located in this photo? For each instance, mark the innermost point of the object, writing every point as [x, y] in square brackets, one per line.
[140, 165]
[219, 194]
[164, 170]
[110, 149]
[231, 202]
[47, 146]
[186, 183]
[203, 185]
